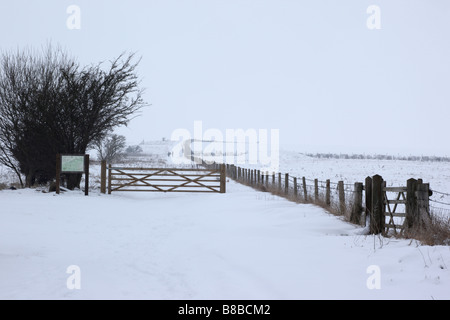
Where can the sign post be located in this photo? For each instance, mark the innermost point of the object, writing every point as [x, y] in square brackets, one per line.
[72, 164]
[86, 174]
[58, 173]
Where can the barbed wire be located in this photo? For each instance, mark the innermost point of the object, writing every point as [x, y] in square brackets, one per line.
[440, 202]
[442, 193]
[333, 186]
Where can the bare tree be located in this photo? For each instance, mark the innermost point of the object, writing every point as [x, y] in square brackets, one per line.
[110, 148]
[49, 104]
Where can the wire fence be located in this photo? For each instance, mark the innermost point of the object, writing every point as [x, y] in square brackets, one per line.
[440, 203]
[338, 197]
[403, 208]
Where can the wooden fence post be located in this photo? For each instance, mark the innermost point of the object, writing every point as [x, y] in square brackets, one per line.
[259, 177]
[316, 190]
[295, 188]
[286, 184]
[305, 192]
[377, 214]
[267, 180]
[355, 216]
[341, 197]
[328, 193]
[423, 205]
[279, 182]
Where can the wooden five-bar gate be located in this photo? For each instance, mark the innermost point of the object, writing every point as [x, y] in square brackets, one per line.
[163, 179]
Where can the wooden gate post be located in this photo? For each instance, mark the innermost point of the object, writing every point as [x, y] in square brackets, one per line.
[109, 178]
[103, 177]
[377, 214]
[368, 192]
[355, 216]
[223, 176]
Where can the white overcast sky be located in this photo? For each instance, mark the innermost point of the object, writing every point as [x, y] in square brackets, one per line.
[311, 69]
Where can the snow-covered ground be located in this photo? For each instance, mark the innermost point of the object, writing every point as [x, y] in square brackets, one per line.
[243, 244]
[240, 245]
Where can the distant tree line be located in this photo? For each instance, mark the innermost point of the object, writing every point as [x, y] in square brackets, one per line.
[50, 104]
[377, 157]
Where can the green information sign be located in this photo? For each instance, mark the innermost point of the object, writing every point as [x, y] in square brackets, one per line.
[74, 164]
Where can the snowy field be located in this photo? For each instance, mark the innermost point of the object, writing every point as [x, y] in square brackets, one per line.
[394, 172]
[240, 245]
